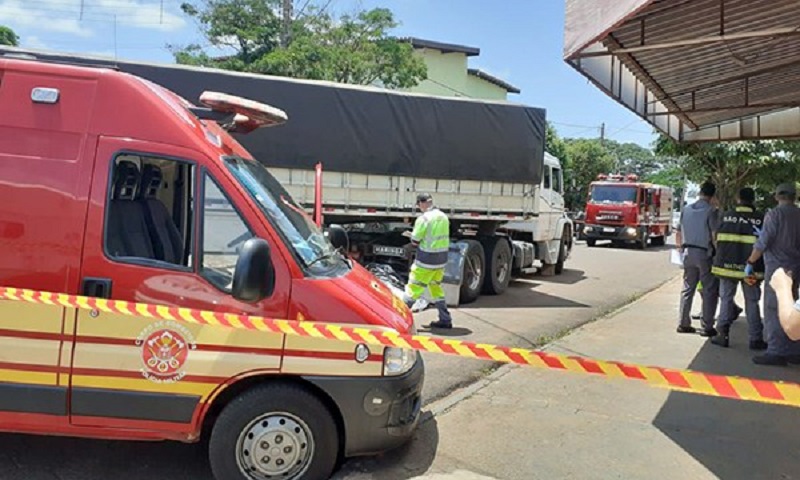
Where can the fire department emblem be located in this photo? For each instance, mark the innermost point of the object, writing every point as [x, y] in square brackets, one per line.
[165, 349]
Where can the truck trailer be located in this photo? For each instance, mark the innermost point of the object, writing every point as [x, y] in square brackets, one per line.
[355, 157]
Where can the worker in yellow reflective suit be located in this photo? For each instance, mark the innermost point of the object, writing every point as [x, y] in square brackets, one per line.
[431, 237]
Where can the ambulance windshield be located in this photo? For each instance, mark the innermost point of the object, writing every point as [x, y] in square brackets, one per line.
[293, 224]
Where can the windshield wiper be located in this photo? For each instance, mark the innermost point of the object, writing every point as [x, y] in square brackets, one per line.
[322, 257]
[328, 255]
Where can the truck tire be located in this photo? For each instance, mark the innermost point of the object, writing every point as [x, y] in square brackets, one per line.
[659, 241]
[474, 271]
[591, 242]
[562, 255]
[641, 243]
[498, 265]
[245, 436]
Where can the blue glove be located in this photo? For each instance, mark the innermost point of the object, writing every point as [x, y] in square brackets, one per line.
[748, 270]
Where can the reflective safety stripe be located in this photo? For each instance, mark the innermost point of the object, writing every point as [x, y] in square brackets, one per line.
[431, 259]
[736, 238]
[736, 274]
[433, 231]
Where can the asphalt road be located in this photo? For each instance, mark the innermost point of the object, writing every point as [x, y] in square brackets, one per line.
[534, 309]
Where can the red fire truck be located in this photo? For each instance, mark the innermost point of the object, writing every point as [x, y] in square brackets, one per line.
[624, 210]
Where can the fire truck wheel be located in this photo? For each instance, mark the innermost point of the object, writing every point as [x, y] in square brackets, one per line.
[659, 241]
[591, 242]
[641, 244]
[498, 265]
[274, 431]
[474, 271]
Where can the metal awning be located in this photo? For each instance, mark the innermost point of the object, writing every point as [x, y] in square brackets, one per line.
[698, 70]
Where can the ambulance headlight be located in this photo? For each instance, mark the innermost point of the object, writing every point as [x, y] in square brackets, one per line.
[397, 361]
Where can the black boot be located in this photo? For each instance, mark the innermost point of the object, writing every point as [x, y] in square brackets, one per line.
[708, 332]
[758, 345]
[767, 359]
[722, 339]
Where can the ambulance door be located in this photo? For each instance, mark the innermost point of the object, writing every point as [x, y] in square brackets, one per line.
[45, 172]
[135, 372]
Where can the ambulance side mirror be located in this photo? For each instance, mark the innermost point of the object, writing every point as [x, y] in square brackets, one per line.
[338, 238]
[254, 278]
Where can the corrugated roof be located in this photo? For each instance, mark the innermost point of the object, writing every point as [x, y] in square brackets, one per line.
[696, 69]
[476, 72]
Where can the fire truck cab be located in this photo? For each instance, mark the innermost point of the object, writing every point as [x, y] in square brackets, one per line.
[624, 210]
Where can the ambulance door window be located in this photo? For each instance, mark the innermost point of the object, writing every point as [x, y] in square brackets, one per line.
[224, 233]
[150, 212]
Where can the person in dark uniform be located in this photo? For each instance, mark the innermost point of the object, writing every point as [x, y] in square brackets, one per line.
[779, 244]
[735, 238]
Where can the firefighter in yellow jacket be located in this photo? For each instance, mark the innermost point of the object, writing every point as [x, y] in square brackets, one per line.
[431, 237]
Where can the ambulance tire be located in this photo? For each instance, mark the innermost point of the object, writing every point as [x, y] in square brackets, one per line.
[271, 412]
[498, 265]
[474, 272]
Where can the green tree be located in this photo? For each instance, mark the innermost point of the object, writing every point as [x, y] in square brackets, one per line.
[586, 159]
[632, 158]
[733, 165]
[350, 49]
[8, 36]
[554, 145]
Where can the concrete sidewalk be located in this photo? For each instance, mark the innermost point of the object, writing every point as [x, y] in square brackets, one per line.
[524, 423]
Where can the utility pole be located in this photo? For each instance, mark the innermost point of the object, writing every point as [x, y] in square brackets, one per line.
[602, 132]
[288, 13]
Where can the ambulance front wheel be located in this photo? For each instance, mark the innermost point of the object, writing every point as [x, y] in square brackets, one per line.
[274, 431]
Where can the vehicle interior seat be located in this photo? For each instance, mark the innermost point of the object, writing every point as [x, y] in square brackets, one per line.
[127, 231]
[165, 237]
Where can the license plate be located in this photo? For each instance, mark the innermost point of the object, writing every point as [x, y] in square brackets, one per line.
[389, 251]
[608, 230]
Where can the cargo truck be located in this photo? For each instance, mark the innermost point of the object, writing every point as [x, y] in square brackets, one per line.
[356, 156]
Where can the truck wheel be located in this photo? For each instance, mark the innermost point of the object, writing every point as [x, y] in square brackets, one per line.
[498, 265]
[474, 270]
[562, 255]
[659, 241]
[641, 244]
[591, 242]
[275, 431]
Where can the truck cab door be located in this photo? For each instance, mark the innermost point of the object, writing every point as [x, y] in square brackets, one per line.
[134, 372]
[552, 205]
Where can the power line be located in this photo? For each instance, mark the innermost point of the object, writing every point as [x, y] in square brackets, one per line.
[448, 87]
[598, 127]
[109, 18]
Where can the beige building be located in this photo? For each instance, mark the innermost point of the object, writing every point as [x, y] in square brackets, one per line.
[449, 73]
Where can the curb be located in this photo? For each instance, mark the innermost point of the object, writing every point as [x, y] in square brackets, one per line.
[443, 405]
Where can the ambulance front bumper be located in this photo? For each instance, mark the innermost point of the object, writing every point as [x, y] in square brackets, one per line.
[378, 413]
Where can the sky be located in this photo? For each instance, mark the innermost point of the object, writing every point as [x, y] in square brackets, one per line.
[521, 41]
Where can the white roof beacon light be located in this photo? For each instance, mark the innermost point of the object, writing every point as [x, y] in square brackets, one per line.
[248, 115]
